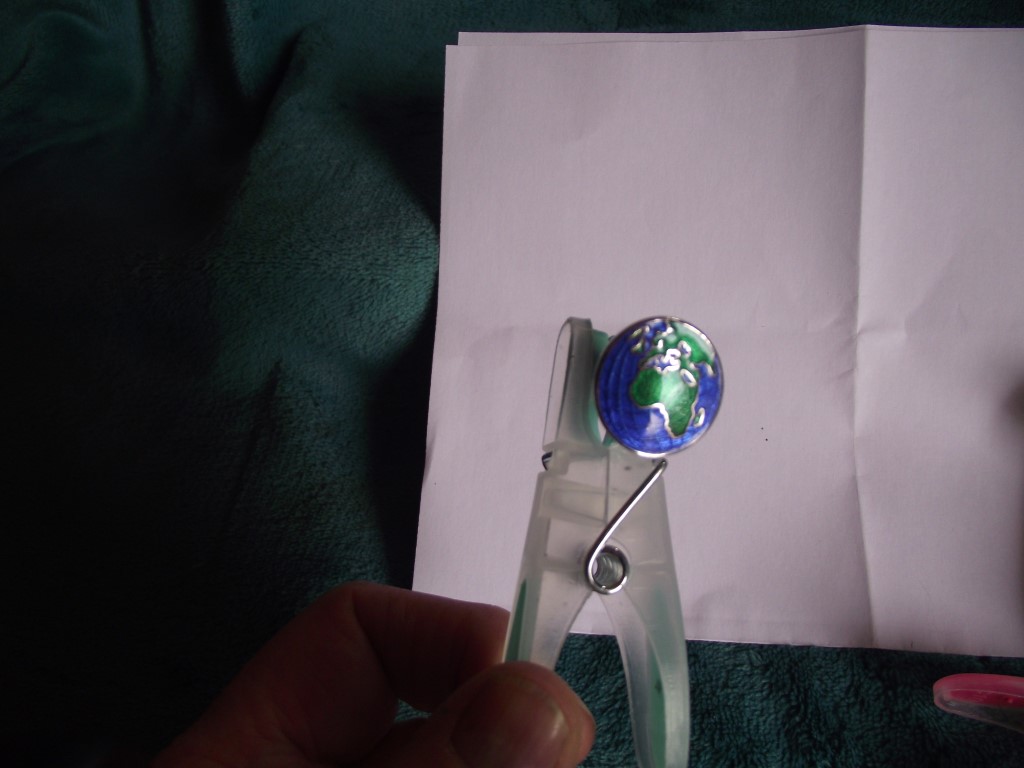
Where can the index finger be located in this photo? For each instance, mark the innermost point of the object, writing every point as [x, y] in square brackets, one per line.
[329, 681]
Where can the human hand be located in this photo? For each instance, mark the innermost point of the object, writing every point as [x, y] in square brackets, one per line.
[324, 691]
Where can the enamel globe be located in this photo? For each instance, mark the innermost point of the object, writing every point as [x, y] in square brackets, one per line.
[658, 385]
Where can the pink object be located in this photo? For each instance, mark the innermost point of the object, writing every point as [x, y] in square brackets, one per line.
[996, 699]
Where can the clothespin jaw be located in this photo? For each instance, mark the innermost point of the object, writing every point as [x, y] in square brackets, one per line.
[600, 525]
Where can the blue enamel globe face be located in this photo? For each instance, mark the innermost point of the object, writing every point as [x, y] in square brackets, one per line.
[658, 386]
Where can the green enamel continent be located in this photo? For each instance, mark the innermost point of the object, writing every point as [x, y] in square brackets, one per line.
[669, 375]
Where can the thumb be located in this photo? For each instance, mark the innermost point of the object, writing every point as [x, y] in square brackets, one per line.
[514, 715]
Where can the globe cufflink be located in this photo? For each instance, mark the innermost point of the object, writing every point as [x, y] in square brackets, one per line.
[658, 386]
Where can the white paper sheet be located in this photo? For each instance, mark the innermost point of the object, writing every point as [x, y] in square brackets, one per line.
[843, 214]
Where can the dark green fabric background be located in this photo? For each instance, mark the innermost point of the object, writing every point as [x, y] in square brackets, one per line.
[218, 229]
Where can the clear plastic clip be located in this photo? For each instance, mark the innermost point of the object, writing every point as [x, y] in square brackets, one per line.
[600, 526]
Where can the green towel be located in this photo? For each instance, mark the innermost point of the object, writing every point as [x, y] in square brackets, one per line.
[218, 228]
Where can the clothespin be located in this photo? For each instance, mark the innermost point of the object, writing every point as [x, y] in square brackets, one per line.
[994, 699]
[616, 408]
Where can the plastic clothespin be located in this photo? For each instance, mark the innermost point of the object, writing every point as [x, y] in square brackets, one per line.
[995, 699]
[600, 523]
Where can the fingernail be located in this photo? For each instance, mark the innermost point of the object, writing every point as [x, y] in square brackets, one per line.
[511, 723]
